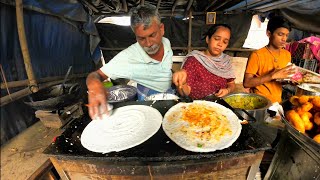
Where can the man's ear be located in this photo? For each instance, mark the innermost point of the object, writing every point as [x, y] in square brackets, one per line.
[207, 39]
[162, 29]
[269, 34]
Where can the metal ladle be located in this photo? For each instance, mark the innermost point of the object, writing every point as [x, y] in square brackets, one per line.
[65, 79]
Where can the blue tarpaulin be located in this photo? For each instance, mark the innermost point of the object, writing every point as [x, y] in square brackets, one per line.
[59, 34]
[54, 41]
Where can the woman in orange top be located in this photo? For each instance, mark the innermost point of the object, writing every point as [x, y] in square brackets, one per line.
[269, 63]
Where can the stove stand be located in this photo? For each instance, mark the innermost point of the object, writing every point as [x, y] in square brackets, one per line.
[60, 118]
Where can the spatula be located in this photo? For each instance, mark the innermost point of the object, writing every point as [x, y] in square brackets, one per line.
[214, 98]
[65, 79]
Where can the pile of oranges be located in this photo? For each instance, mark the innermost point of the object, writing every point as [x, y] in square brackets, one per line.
[305, 115]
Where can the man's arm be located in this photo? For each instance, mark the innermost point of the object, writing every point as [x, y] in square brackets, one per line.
[97, 96]
[95, 79]
[251, 81]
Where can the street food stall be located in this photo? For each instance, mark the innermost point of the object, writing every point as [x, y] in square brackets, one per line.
[161, 156]
[40, 56]
[158, 157]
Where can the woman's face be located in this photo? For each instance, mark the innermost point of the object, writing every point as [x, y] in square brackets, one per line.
[218, 41]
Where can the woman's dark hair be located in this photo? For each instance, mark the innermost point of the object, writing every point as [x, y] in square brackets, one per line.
[214, 28]
[277, 22]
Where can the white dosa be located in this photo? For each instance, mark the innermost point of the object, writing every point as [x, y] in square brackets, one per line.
[127, 127]
[172, 128]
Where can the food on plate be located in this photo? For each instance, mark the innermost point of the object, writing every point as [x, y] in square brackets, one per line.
[317, 118]
[309, 115]
[127, 127]
[303, 99]
[311, 77]
[294, 100]
[305, 114]
[297, 77]
[206, 122]
[306, 106]
[306, 76]
[316, 101]
[317, 138]
[306, 120]
[299, 110]
[201, 126]
[310, 87]
[296, 120]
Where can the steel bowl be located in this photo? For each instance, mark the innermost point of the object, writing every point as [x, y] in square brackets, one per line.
[161, 96]
[256, 105]
[121, 93]
[308, 89]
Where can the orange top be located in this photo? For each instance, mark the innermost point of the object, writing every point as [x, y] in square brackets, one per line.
[262, 62]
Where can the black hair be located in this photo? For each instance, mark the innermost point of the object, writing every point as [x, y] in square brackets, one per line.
[214, 28]
[277, 22]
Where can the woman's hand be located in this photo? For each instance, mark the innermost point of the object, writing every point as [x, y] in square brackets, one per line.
[222, 92]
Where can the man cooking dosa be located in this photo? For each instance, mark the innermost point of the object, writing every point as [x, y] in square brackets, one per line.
[148, 61]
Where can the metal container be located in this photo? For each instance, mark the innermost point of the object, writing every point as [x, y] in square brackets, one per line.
[121, 93]
[308, 89]
[54, 98]
[297, 155]
[258, 110]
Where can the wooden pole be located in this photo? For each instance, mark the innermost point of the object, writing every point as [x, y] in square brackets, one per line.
[14, 84]
[24, 92]
[190, 32]
[24, 47]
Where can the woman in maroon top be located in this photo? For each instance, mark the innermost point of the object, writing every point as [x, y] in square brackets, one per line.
[209, 71]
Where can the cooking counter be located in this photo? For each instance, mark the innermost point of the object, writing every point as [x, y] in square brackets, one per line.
[159, 152]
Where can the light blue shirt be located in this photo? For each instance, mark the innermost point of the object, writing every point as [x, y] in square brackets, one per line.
[135, 64]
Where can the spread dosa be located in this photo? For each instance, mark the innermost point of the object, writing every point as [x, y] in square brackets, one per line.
[127, 127]
[201, 126]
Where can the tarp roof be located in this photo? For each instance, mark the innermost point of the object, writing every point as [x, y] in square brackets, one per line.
[303, 14]
[197, 6]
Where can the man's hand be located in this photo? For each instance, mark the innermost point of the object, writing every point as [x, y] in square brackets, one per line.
[179, 78]
[97, 96]
[284, 73]
[97, 99]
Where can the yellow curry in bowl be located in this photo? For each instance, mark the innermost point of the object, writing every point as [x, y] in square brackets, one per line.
[247, 101]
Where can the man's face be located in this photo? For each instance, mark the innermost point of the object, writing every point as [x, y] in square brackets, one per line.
[279, 37]
[150, 39]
